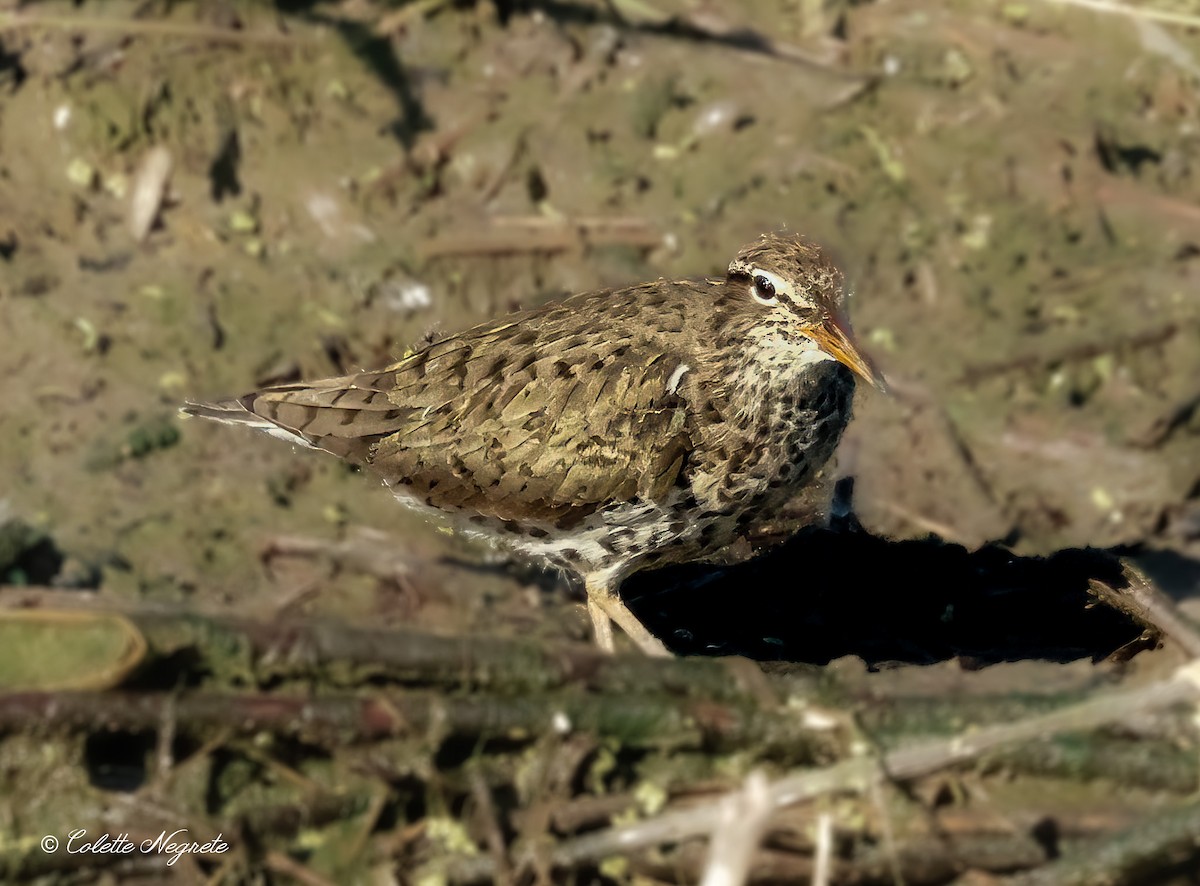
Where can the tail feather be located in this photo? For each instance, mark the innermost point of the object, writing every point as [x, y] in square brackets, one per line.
[233, 411]
[237, 411]
[345, 416]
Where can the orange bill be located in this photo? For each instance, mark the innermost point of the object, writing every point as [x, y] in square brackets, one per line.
[836, 339]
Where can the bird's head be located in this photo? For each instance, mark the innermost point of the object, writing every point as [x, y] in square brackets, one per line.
[800, 292]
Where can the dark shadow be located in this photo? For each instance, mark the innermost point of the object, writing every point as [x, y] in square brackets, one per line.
[1116, 157]
[827, 594]
[1174, 574]
[675, 26]
[8, 246]
[12, 72]
[27, 555]
[223, 171]
[380, 56]
[116, 761]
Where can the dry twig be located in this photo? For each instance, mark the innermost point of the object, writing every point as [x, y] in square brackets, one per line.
[1165, 16]
[735, 839]
[1142, 601]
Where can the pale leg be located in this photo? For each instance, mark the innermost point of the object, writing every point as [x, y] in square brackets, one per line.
[605, 602]
[601, 626]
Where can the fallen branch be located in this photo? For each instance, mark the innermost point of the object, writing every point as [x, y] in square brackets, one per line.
[855, 775]
[333, 721]
[307, 649]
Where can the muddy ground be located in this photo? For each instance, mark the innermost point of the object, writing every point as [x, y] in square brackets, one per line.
[1013, 191]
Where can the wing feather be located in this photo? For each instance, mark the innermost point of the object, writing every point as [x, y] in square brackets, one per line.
[495, 421]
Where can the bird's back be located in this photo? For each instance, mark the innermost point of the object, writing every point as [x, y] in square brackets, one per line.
[546, 415]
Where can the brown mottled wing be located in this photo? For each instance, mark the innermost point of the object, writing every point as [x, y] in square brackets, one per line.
[536, 417]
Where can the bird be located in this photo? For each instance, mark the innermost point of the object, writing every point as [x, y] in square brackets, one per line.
[609, 432]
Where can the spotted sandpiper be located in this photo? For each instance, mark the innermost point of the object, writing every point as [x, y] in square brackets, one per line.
[609, 432]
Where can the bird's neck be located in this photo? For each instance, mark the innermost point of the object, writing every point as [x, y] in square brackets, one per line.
[771, 371]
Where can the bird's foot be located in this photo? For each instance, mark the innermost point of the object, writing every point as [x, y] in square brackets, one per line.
[605, 606]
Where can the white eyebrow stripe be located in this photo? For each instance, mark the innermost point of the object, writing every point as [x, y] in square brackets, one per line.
[676, 377]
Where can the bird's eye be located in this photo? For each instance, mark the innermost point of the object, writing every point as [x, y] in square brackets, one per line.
[764, 289]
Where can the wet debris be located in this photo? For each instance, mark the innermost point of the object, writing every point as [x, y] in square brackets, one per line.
[327, 211]
[402, 295]
[149, 191]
